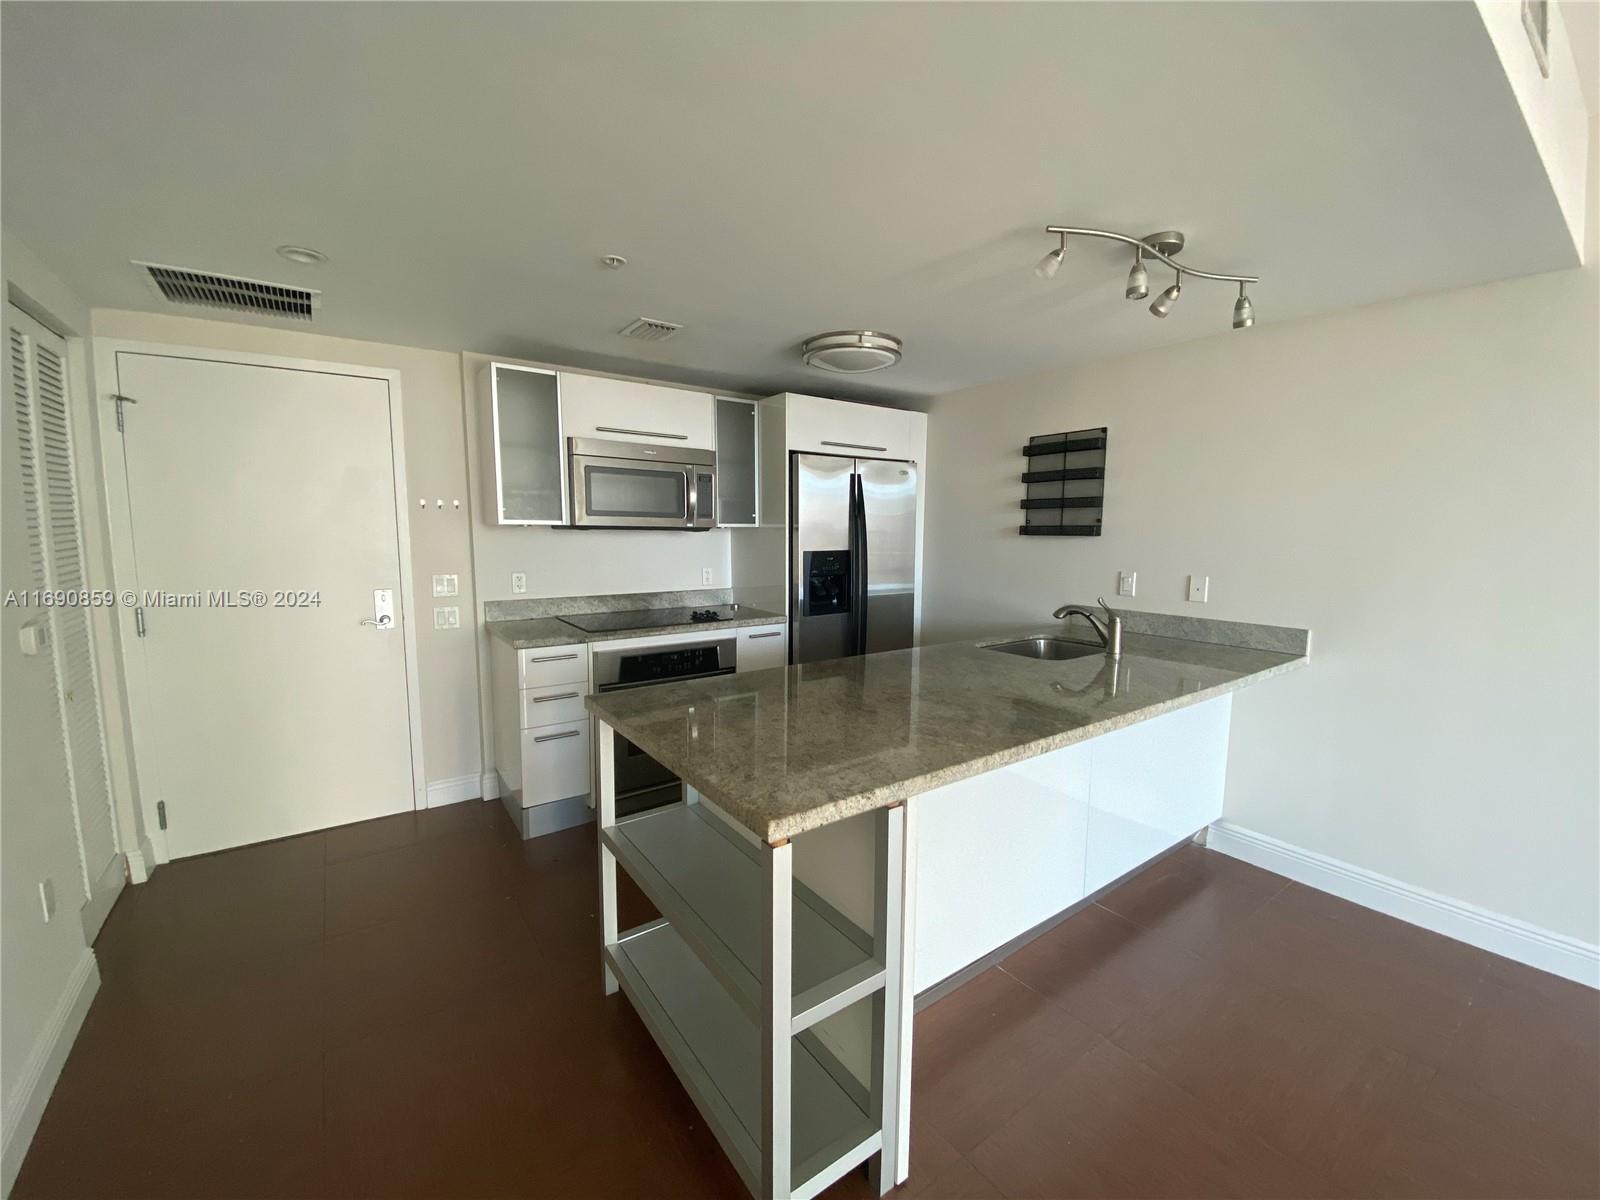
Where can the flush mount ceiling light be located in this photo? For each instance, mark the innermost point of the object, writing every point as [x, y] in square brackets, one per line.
[851, 351]
[1163, 247]
[304, 255]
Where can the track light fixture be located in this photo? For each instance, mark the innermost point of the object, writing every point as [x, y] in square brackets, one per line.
[1051, 263]
[1163, 247]
[1164, 302]
[1244, 313]
[1138, 277]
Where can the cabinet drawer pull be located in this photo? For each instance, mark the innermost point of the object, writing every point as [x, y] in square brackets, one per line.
[856, 446]
[553, 658]
[563, 696]
[677, 437]
[774, 633]
[556, 737]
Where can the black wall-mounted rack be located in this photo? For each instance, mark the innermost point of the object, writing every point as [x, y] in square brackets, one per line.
[1065, 484]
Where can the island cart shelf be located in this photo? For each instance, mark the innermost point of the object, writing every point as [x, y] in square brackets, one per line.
[743, 961]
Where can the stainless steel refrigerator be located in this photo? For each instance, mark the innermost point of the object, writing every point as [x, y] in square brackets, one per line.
[852, 555]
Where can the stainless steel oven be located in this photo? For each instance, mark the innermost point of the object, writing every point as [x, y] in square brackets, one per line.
[641, 781]
[631, 485]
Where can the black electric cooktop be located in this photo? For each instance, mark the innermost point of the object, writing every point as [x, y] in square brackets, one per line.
[652, 618]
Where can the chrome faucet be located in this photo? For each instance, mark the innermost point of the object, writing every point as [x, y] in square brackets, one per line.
[1109, 631]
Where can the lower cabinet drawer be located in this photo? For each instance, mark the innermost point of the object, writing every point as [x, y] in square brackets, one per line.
[553, 664]
[555, 762]
[557, 702]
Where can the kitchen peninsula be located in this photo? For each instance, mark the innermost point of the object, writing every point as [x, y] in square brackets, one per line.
[859, 831]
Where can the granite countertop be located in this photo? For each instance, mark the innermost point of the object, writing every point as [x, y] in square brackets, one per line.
[791, 749]
[531, 633]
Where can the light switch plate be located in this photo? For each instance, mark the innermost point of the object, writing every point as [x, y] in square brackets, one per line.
[447, 617]
[445, 585]
[1127, 582]
[34, 636]
[519, 582]
[1199, 588]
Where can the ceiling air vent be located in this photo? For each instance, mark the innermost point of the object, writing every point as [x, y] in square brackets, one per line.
[210, 290]
[648, 329]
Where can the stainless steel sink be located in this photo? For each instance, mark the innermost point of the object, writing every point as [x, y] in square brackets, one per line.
[1051, 649]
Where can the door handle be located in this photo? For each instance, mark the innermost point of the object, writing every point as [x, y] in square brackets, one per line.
[556, 737]
[553, 658]
[563, 696]
[382, 622]
[857, 446]
[774, 633]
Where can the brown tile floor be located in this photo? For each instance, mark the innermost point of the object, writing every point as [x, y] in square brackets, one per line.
[411, 1007]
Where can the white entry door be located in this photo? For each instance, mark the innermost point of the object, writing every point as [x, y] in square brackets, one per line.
[262, 505]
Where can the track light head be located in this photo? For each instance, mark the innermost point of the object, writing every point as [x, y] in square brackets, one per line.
[1051, 263]
[1244, 313]
[1164, 302]
[1138, 279]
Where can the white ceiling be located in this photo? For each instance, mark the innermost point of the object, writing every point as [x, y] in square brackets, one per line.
[771, 170]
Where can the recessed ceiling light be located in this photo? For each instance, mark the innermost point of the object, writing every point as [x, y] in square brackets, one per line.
[615, 261]
[851, 351]
[303, 254]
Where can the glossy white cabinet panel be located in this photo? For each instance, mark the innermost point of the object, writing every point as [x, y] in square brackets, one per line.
[553, 664]
[1155, 784]
[997, 855]
[762, 646]
[555, 762]
[819, 426]
[621, 410]
[552, 704]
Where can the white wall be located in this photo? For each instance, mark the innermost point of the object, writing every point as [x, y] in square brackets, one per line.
[1418, 483]
[42, 966]
[436, 469]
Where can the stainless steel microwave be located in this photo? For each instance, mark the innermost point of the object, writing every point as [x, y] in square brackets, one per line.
[632, 485]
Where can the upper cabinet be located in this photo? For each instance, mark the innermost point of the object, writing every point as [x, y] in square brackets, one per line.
[818, 426]
[737, 471]
[623, 411]
[524, 460]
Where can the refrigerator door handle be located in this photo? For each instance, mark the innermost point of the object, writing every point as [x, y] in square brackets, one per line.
[858, 507]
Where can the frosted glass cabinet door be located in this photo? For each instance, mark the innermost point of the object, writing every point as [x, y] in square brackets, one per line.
[529, 482]
[736, 462]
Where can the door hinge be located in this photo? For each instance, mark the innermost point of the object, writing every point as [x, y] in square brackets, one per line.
[161, 813]
[120, 401]
[138, 621]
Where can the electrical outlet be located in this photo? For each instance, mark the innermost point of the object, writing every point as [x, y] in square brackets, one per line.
[1199, 588]
[705, 576]
[1127, 582]
[445, 585]
[447, 618]
[519, 583]
[47, 900]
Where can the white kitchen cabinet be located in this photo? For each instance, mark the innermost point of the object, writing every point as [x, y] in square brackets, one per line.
[738, 481]
[542, 735]
[818, 426]
[762, 646]
[621, 410]
[524, 463]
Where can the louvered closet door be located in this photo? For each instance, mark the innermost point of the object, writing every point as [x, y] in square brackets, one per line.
[38, 379]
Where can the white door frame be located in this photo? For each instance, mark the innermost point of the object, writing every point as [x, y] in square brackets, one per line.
[124, 562]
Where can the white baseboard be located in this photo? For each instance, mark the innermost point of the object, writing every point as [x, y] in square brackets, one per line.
[102, 896]
[141, 861]
[25, 1105]
[1506, 936]
[491, 785]
[454, 791]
